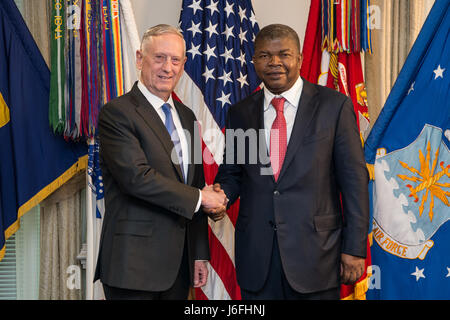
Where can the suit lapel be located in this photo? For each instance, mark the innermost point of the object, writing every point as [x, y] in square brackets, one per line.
[185, 123]
[151, 117]
[306, 111]
[263, 153]
[257, 122]
[256, 117]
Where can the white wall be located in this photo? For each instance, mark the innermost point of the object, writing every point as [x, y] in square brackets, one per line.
[293, 13]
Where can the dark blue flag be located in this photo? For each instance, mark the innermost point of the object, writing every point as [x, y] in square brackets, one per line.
[33, 161]
[409, 150]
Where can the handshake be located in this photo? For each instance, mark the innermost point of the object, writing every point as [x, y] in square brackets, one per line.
[214, 201]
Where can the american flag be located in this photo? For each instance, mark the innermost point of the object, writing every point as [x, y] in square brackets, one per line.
[219, 37]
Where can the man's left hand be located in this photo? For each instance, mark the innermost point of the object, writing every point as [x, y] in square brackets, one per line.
[219, 212]
[200, 273]
[352, 268]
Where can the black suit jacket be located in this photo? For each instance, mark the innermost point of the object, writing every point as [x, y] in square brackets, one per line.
[324, 159]
[149, 208]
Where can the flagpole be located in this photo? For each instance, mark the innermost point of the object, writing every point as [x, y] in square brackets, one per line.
[89, 233]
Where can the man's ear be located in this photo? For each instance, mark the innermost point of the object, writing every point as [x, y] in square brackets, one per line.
[139, 57]
[300, 57]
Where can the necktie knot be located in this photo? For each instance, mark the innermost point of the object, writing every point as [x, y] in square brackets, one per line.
[278, 137]
[169, 120]
[278, 104]
[170, 126]
[166, 108]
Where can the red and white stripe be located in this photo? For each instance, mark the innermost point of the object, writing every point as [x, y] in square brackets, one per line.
[222, 284]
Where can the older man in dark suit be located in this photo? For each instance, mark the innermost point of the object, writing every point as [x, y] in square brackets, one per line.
[304, 209]
[155, 237]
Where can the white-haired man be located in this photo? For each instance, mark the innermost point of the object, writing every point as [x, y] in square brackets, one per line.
[154, 241]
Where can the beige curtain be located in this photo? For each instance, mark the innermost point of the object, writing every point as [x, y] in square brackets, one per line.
[36, 15]
[399, 23]
[60, 272]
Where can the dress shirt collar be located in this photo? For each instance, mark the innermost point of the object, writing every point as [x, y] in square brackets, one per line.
[155, 101]
[292, 95]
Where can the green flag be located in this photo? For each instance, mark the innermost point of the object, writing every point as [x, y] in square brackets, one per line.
[58, 71]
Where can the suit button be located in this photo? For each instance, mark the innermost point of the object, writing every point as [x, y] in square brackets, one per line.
[273, 225]
[276, 193]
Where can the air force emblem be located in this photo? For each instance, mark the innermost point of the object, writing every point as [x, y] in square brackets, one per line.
[411, 200]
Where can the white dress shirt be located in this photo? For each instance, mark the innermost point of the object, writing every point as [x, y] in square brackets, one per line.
[157, 104]
[292, 97]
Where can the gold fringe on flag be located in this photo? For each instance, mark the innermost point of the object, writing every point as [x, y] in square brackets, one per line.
[79, 166]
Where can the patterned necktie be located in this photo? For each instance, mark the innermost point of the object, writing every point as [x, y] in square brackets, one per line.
[173, 135]
[278, 137]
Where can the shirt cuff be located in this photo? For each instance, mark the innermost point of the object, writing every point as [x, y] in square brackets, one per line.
[199, 201]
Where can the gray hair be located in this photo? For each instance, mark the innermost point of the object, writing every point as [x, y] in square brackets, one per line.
[159, 30]
[277, 31]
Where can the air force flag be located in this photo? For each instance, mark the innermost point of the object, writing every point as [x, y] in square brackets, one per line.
[409, 149]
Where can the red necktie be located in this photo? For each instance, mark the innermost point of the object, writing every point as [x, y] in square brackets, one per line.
[278, 137]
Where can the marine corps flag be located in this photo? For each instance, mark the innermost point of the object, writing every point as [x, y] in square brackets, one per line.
[335, 35]
[33, 161]
[409, 152]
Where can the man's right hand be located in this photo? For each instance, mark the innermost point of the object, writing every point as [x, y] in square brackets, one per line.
[214, 201]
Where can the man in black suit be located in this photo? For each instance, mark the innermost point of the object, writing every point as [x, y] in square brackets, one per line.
[154, 240]
[295, 239]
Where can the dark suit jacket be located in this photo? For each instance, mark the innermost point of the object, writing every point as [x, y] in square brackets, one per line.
[324, 158]
[149, 208]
